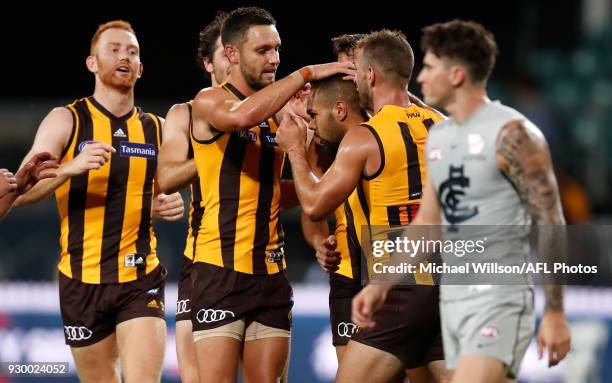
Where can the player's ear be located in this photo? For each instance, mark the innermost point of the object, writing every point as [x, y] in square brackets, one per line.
[340, 111]
[208, 66]
[140, 70]
[457, 75]
[371, 76]
[91, 63]
[231, 51]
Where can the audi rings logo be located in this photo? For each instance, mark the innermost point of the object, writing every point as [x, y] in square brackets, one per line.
[347, 329]
[212, 315]
[182, 306]
[77, 333]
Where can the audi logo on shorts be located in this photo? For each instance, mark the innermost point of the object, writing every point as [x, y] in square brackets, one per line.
[347, 329]
[77, 333]
[212, 315]
[182, 306]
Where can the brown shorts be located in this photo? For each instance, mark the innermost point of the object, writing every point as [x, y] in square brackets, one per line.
[407, 326]
[185, 285]
[90, 312]
[341, 292]
[221, 296]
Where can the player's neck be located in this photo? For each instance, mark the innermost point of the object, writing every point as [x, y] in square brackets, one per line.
[386, 95]
[466, 103]
[116, 102]
[239, 82]
[353, 120]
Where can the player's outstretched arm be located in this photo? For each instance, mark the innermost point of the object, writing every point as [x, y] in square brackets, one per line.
[226, 114]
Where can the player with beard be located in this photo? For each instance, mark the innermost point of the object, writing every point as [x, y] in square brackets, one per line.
[487, 325]
[110, 279]
[241, 301]
[333, 106]
[378, 170]
[177, 169]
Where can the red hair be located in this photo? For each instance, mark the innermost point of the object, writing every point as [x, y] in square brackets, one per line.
[115, 24]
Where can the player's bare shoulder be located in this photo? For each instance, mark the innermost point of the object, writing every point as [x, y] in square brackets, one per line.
[359, 145]
[55, 130]
[518, 139]
[60, 118]
[205, 103]
[209, 99]
[178, 110]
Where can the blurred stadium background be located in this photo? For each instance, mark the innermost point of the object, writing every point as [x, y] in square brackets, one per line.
[555, 66]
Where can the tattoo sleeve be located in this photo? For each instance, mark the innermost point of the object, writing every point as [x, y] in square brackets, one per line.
[523, 156]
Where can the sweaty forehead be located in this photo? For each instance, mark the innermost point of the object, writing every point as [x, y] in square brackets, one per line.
[262, 35]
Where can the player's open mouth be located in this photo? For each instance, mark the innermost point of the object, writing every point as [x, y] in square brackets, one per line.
[123, 69]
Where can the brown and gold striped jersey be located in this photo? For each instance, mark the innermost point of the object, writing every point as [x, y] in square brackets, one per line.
[240, 185]
[106, 232]
[391, 196]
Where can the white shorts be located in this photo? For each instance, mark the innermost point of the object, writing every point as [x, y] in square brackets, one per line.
[494, 324]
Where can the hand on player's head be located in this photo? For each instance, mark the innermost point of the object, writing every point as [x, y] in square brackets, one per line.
[321, 71]
[8, 183]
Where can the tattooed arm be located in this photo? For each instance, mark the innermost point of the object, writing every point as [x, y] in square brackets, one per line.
[523, 155]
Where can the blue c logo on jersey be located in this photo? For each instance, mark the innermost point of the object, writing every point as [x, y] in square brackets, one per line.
[451, 192]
